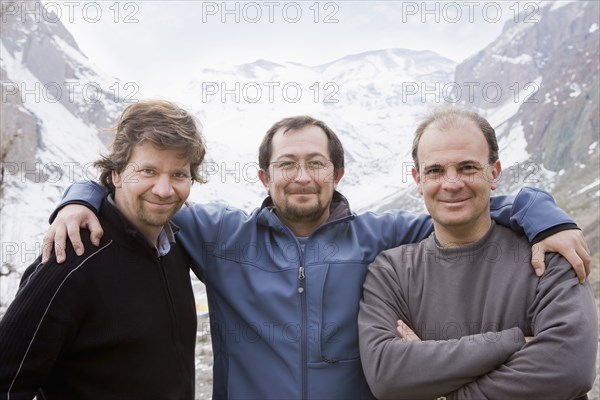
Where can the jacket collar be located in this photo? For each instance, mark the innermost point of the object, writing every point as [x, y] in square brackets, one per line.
[339, 209]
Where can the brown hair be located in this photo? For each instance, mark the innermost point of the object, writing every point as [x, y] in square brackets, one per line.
[447, 117]
[165, 125]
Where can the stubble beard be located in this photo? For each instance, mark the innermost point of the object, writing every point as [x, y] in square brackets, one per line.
[301, 213]
[156, 219]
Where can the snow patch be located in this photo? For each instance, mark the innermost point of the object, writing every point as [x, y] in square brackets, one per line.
[510, 107]
[522, 59]
[513, 146]
[559, 4]
[588, 187]
[576, 90]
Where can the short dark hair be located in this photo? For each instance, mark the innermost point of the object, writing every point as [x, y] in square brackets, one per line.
[336, 150]
[446, 117]
[160, 122]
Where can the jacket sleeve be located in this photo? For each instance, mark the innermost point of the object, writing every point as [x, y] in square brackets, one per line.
[35, 329]
[532, 211]
[396, 368]
[560, 361]
[411, 228]
[87, 193]
[200, 227]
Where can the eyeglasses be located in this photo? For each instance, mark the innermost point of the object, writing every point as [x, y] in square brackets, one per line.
[294, 166]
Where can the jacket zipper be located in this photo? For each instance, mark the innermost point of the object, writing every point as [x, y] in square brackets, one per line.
[301, 279]
[301, 293]
[304, 349]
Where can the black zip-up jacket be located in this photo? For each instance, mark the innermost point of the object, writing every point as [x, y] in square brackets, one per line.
[119, 322]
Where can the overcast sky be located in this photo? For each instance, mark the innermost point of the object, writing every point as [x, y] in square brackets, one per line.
[158, 42]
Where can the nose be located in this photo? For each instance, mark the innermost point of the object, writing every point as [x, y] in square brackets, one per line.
[302, 174]
[452, 181]
[162, 186]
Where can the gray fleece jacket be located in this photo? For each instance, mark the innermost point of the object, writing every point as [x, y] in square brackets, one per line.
[472, 306]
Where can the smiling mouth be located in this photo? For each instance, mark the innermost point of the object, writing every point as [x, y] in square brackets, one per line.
[454, 201]
[301, 192]
[160, 204]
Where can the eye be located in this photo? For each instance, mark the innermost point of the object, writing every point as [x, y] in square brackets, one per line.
[287, 164]
[147, 171]
[469, 169]
[434, 171]
[180, 176]
[315, 164]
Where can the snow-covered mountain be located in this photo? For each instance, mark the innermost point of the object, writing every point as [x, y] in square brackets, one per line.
[54, 104]
[372, 99]
[362, 96]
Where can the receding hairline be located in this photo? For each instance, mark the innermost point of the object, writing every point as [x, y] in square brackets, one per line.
[448, 122]
[292, 129]
[452, 121]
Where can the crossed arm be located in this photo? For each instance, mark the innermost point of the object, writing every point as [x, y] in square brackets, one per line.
[560, 359]
[557, 362]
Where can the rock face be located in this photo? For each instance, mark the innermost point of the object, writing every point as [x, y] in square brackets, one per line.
[18, 129]
[562, 48]
[552, 56]
[42, 63]
[54, 111]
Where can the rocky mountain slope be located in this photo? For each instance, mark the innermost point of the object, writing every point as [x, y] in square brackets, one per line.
[55, 106]
[538, 84]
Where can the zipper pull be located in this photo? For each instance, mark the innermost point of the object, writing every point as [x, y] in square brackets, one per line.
[301, 279]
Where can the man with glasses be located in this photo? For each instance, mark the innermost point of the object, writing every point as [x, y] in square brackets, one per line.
[284, 282]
